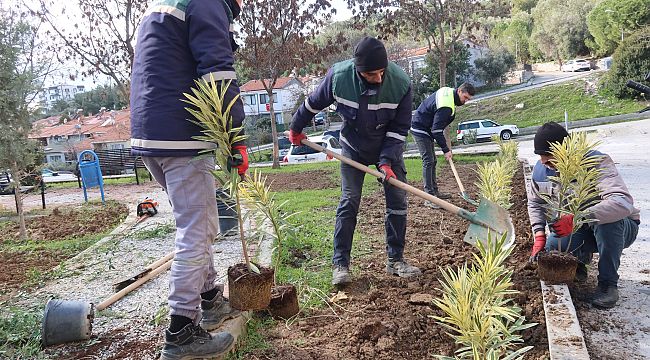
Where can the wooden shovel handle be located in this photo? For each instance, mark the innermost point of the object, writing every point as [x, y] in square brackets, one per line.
[408, 188]
[460, 184]
[162, 260]
[118, 295]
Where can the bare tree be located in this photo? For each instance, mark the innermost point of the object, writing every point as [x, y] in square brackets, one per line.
[440, 22]
[101, 38]
[22, 71]
[278, 37]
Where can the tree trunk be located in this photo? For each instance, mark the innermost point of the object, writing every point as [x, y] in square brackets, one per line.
[442, 67]
[274, 132]
[19, 202]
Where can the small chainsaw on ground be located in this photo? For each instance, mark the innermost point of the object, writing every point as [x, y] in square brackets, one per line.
[147, 208]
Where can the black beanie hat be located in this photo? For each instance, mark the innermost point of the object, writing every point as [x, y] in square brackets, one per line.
[550, 132]
[370, 55]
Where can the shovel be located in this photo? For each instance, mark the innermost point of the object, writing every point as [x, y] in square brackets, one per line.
[463, 193]
[66, 321]
[119, 285]
[488, 218]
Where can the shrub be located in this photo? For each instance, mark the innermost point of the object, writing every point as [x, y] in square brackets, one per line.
[494, 182]
[631, 61]
[493, 67]
[477, 302]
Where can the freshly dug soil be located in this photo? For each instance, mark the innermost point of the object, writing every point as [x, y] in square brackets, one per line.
[63, 223]
[307, 180]
[556, 267]
[378, 321]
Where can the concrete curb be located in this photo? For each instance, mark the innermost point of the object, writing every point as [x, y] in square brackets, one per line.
[565, 338]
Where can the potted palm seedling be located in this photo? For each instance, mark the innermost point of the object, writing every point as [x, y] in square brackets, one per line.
[284, 298]
[575, 183]
[249, 284]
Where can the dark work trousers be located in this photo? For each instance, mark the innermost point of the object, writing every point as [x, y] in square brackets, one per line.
[425, 146]
[346, 214]
[608, 240]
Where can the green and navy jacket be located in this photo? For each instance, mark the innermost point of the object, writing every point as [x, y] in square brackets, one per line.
[434, 114]
[179, 41]
[375, 120]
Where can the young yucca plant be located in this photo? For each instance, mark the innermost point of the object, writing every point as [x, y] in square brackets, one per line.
[508, 152]
[213, 116]
[477, 302]
[258, 195]
[494, 182]
[576, 180]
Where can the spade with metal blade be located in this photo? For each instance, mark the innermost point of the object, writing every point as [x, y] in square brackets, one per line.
[488, 218]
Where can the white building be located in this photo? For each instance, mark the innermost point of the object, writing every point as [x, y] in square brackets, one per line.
[286, 93]
[52, 94]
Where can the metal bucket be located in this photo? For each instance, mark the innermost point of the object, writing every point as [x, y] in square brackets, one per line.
[66, 321]
[228, 220]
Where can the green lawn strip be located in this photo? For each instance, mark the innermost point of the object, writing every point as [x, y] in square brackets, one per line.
[547, 104]
[255, 339]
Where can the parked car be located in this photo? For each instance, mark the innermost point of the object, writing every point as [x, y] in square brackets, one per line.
[485, 129]
[57, 176]
[283, 147]
[303, 153]
[319, 119]
[576, 65]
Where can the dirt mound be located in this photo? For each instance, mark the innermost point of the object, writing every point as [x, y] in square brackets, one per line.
[21, 266]
[308, 180]
[378, 322]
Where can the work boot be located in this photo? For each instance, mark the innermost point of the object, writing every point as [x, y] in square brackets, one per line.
[341, 275]
[431, 205]
[214, 312]
[402, 269]
[605, 297]
[194, 342]
[441, 195]
[581, 273]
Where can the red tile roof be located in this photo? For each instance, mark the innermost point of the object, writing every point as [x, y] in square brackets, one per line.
[256, 85]
[100, 128]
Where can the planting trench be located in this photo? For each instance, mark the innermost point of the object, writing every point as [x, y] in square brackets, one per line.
[378, 321]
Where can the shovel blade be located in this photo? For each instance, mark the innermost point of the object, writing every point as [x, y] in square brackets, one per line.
[493, 219]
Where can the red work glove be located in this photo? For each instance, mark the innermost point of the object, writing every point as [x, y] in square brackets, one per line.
[242, 166]
[563, 226]
[296, 137]
[387, 171]
[540, 243]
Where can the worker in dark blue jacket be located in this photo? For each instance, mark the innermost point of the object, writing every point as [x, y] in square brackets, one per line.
[374, 98]
[181, 41]
[430, 123]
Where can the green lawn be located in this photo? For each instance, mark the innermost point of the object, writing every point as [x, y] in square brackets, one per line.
[548, 104]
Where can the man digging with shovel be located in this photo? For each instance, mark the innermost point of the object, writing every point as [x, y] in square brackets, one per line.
[430, 122]
[374, 99]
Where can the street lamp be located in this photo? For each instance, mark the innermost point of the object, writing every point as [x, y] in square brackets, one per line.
[616, 12]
